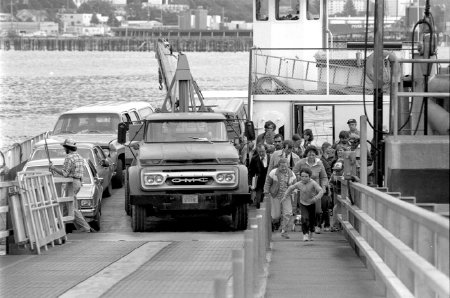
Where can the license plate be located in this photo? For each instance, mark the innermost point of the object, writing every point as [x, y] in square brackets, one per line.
[190, 199]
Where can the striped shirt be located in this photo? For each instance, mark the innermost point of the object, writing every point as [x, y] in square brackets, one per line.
[73, 166]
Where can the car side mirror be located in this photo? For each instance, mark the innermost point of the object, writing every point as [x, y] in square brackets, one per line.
[105, 163]
[122, 133]
[250, 130]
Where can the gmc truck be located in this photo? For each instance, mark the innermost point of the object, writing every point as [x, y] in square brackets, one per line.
[185, 165]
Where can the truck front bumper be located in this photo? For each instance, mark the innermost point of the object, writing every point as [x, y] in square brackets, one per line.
[203, 201]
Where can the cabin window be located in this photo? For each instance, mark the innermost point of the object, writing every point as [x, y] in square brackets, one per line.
[262, 10]
[313, 9]
[287, 9]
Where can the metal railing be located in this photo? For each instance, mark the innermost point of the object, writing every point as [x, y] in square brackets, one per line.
[19, 153]
[312, 71]
[249, 264]
[406, 246]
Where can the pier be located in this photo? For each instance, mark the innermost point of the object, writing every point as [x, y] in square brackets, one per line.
[126, 44]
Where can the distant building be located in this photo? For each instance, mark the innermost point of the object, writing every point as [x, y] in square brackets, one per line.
[6, 17]
[337, 6]
[184, 20]
[32, 15]
[30, 28]
[200, 18]
[87, 30]
[76, 19]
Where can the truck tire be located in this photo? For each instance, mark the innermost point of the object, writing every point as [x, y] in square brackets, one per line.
[138, 217]
[127, 195]
[240, 217]
[118, 178]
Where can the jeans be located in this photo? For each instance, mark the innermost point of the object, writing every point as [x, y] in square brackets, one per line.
[78, 219]
[308, 213]
[285, 210]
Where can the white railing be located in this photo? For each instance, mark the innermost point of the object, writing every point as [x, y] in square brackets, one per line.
[19, 153]
[406, 246]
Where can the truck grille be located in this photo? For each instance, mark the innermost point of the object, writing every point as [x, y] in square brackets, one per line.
[189, 181]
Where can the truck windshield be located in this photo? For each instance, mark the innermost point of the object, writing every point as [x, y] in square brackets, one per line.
[87, 124]
[186, 131]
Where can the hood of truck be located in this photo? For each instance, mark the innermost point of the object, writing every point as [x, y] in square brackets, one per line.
[195, 151]
[100, 139]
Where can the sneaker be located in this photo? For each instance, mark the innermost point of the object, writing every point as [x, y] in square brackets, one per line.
[305, 237]
[284, 234]
[317, 230]
[311, 236]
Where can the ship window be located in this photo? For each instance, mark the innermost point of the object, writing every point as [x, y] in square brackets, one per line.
[287, 9]
[313, 9]
[262, 10]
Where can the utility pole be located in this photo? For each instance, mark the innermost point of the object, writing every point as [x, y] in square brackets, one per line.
[378, 64]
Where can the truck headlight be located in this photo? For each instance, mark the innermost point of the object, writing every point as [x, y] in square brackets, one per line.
[86, 203]
[226, 177]
[153, 179]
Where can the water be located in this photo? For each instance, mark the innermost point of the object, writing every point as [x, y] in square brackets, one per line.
[36, 87]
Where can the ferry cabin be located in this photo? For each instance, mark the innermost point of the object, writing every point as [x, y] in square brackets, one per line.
[298, 80]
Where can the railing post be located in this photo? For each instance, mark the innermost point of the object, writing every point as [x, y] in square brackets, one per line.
[238, 273]
[363, 150]
[267, 225]
[254, 227]
[261, 243]
[248, 263]
[220, 288]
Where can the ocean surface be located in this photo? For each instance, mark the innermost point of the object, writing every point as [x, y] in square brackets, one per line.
[36, 87]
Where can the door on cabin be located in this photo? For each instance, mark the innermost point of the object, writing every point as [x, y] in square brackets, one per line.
[318, 118]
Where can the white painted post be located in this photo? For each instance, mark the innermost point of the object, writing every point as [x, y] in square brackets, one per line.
[261, 243]
[248, 263]
[363, 149]
[238, 273]
[267, 225]
[254, 227]
[220, 288]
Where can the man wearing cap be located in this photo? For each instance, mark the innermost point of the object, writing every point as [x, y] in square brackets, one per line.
[73, 168]
[352, 125]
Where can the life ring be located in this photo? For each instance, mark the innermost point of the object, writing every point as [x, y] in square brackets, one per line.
[370, 72]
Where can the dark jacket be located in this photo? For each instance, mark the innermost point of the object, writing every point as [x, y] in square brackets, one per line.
[327, 166]
[256, 168]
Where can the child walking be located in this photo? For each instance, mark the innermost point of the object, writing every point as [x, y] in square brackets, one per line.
[310, 192]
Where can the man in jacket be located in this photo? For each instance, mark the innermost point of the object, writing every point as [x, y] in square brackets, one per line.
[258, 170]
[286, 152]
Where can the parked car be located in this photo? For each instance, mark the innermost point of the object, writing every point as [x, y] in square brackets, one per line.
[90, 196]
[97, 123]
[89, 151]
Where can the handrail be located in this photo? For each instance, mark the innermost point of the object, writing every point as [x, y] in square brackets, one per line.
[429, 219]
[411, 241]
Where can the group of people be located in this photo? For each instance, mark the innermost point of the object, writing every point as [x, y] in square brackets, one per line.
[297, 177]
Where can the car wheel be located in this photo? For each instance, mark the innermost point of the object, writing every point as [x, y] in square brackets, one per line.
[127, 195]
[118, 178]
[108, 190]
[138, 217]
[240, 217]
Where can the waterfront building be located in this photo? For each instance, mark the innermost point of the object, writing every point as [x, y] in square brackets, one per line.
[200, 18]
[76, 19]
[34, 15]
[337, 6]
[30, 28]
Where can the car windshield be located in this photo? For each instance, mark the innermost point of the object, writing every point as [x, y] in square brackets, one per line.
[40, 153]
[86, 176]
[87, 124]
[186, 131]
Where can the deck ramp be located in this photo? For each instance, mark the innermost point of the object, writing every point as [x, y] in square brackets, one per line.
[325, 267]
